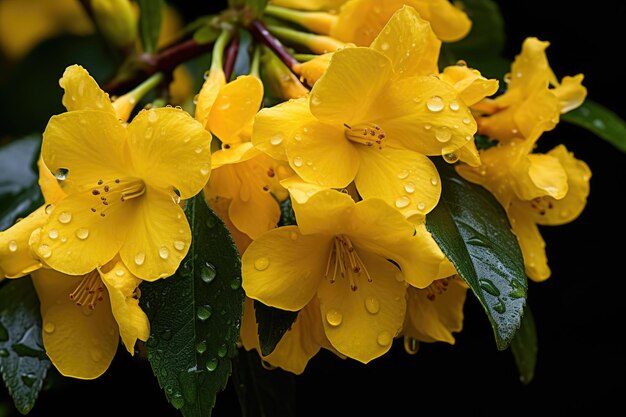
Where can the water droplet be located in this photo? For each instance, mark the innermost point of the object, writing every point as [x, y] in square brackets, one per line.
[334, 317]
[466, 120]
[61, 174]
[421, 206]
[277, 139]
[411, 345]
[489, 287]
[416, 99]
[45, 251]
[435, 104]
[198, 149]
[177, 401]
[12, 246]
[293, 236]
[152, 116]
[211, 364]
[82, 233]
[179, 245]
[140, 258]
[261, 264]
[428, 126]
[409, 187]
[222, 351]
[235, 283]
[402, 201]
[65, 217]
[297, 161]
[443, 134]
[315, 100]
[500, 307]
[454, 105]
[4, 353]
[201, 347]
[149, 132]
[507, 77]
[434, 181]
[204, 312]
[120, 272]
[518, 74]
[372, 305]
[49, 208]
[468, 138]
[205, 169]
[163, 252]
[53, 234]
[64, 239]
[207, 273]
[384, 46]
[399, 276]
[49, 327]
[384, 338]
[450, 157]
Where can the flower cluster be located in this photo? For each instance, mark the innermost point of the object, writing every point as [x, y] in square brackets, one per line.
[349, 127]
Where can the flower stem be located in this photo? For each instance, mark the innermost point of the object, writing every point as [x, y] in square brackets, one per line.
[316, 43]
[259, 31]
[231, 56]
[319, 22]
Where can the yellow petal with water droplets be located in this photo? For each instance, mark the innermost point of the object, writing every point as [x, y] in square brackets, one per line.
[300, 190]
[284, 272]
[326, 212]
[530, 241]
[208, 93]
[82, 91]
[570, 93]
[81, 343]
[50, 188]
[16, 259]
[470, 84]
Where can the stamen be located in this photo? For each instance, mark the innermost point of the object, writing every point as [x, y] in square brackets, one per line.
[117, 190]
[89, 291]
[437, 288]
[346, 261]
[542, 205]
[367, 134]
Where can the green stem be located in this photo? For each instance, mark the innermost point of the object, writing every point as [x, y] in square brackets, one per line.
[319, 22]
[217, 61]
[138, 92]
[256, 61]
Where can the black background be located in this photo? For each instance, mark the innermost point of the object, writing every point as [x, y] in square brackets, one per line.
[579, 311]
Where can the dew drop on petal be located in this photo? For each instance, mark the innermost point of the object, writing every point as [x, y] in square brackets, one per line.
[164, 253]
[49, 327]
[409, 187]
[454, 105]
[82, 233]
[435, 104]
[205, 169]
[428, 126]
[443, 134]
[140, 258]
[120, 272]
[421, 205]
[384, 46]
[45, 251]
[466, 120]
[12, 246]
[403, 174]
[277, 139]
[179, 245]
[65, 217]
[293, 236]
[198, 149]
[152, 116]
[297, 161]
[53, 234]
[384, 338]
[261, 264]
[334, 317]
[49, 208]
[372, 305]
[402, 202]
[315, 100]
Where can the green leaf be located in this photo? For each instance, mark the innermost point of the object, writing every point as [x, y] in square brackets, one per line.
[600, 121]
[524, 347]
[19, 192]
[257, 7]
[273, 324]
[287, 215]
[262, 392]
[483, 142]
[23, 361]
[473, 231]
[482, 47]
[195, 316]
[150, 16]
[206, 34]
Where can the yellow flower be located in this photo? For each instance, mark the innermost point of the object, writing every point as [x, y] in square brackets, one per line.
[355, 258]
[360, 21]
[298, 345]
[436, 311]
[241, 173]
[546, 189]
[120, 183]
[373, 126]
[534, 98]
[309, 4]
[84, 317]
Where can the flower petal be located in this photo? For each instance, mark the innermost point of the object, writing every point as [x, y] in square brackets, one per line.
[300, 190]
[449, 22]
[220, 207]
[89, 144]
[405, 179]
[233, 154]
[283, 268]
[548, 178]
[82, 91]
[469, 154]
[76, 240]
[344, 95]
[158, 237]
[169, 148]
[257, 213]
[570, 93]
[16, 259]
[539, 111]
[362, 323]
[132, 321]
[208, 93]
[234, 109]
[321, 154]
[530, 241]
[80, 342]
[274, 126]
[424, 114]
[50, 188]
[435, 320]
[326, 212]
[470, 84]
[410, 43]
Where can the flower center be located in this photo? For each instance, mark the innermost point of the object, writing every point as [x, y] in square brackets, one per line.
[88, 291]
[345, 262]
[437, 288]
[110, 193]
[368, 134]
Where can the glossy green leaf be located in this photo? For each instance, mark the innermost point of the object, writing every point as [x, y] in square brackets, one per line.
[600, 121]
[287, 215]
[524, 347]
[262, 392]
[273, 324]
[150, 16]
[195, 316]
[473, 231]
[23, 361]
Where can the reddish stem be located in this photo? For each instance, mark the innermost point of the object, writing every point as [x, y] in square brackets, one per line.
[262, 34]
[231, 56]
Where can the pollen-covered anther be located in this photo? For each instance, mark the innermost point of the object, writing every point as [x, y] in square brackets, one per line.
[368, 134]
[89, 291]
[346, 262]
[541, 205]
[119, 190]
[437, 288]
